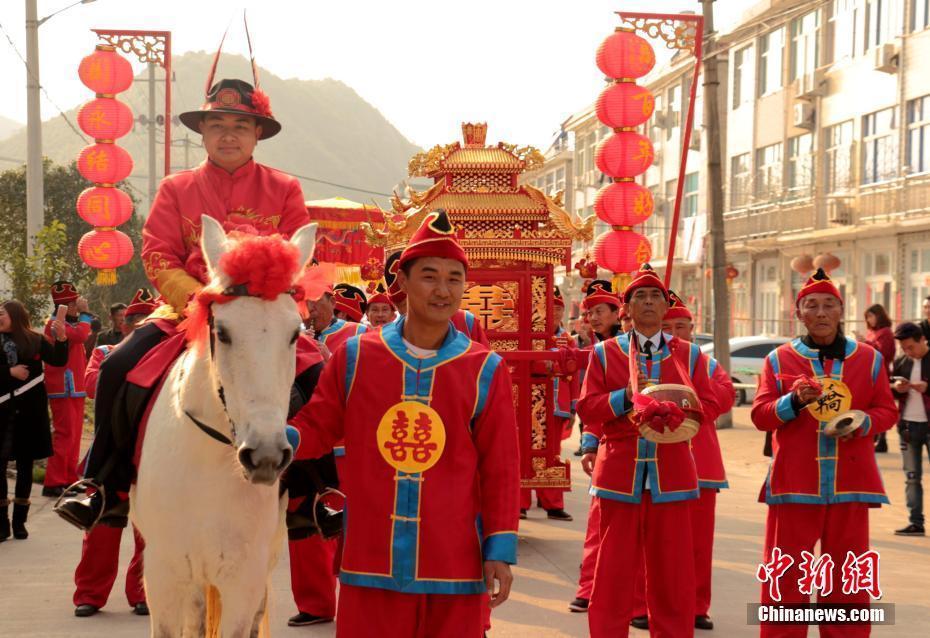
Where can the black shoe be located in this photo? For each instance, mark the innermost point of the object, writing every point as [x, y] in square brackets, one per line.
[579, 605]
[910, 530]
[20, 514]
[140, 609]
[85, 610]
[881, 446]
[303, 619]
[81, 511]
[640, 622]
[559, 515]
[579, 452]
[53, 492]
[703, 622]
[522, 514]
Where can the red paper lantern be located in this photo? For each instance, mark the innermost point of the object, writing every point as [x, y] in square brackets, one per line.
[105, 118]
[625, 104]
[622, 251]
[105, 250]
[104, 206]
[105, 71]
[732, 272]
[624, 154]
[104, 163]
[623, 54]
[624, 204]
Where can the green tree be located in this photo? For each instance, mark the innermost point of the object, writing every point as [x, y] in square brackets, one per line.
[56, 255]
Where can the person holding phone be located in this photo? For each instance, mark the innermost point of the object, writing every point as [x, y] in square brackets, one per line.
[909, 381]
[878, 334]
[25, 432]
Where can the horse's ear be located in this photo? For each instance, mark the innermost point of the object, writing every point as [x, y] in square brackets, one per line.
[212, 242]
[305, 240]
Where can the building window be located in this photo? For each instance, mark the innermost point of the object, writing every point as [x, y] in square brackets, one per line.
[838, 141]
[918, 135]
[844, 22]
[768, 172]
[771, 47]
[742, 76]
[882, 22]
[560, 179]
[689, 202]
[805, 45]
[673, 115]
[920, 15]
[879, 146]
[800, 165]
[740, 180]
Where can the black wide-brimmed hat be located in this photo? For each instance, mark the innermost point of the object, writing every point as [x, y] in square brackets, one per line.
[235, 97]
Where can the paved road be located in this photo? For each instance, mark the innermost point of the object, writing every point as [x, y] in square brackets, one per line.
[36, 575]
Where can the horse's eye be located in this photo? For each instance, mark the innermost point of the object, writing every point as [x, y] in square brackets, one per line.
[295, 336]
[223, 336]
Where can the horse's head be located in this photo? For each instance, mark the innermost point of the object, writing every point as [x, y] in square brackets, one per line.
[254, 327]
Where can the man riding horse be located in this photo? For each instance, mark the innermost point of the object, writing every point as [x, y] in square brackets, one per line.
[229, 186]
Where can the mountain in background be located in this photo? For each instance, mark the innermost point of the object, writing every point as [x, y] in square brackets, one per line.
[8, 127]
[329, 132]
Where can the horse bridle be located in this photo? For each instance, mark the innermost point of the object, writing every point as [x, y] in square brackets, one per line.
[238, 290]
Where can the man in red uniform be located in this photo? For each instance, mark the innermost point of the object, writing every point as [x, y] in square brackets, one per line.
[328, 329]
[463, 320]
[65, 388]
[431, 454]
[349, 302]
[97, 570]
[820, 487]
[553, 500]
[705, 447]
[380, 308]
[229, 186]
[643, 487]
[602, 311]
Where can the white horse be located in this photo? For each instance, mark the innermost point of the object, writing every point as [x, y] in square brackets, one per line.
[209, 511]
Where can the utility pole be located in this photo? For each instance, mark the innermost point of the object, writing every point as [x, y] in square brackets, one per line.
[35, 187]
[715, 199]
[187, 151]
[153, 182]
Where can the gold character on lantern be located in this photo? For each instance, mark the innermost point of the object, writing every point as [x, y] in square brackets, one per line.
[97, 161]
[645, 153]
[648, 101]
[102, 251]
[98, 119]
[643, 251]
[100, 206]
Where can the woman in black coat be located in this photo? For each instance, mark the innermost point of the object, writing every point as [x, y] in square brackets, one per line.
[25, 433]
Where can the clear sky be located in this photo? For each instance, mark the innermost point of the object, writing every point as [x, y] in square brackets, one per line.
[522, 65]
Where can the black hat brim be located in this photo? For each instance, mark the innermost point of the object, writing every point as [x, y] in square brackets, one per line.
[192, 120]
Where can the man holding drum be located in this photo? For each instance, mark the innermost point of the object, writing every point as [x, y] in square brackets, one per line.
[824, 397]
[644, 387]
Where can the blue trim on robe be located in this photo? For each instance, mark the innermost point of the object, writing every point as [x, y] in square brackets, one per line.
[877, 365]
[485, 377]
[502, 547]
[784, 410]
[454, 345]
[617, 399]
[589, 441]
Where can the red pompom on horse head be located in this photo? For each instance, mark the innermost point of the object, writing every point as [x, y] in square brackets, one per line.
[266, 265]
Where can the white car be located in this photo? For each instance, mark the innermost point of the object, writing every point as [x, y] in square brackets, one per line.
[747, 355]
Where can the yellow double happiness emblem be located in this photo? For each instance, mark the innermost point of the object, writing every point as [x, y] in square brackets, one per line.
[411, 437]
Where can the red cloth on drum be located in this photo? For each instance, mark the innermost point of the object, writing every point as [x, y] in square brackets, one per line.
[97, 571]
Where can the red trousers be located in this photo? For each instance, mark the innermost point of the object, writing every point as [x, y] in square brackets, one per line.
[702, 531]
[313, 578]
[794, 528]
[549, 499]
[660, 533]
[96, 573]
[367, 611]
[67, 422]
[592, 542]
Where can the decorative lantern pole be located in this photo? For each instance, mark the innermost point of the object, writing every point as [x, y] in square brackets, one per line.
[623, 106]
[104, 206]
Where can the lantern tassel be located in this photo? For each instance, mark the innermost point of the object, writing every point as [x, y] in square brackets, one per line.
[106, 277]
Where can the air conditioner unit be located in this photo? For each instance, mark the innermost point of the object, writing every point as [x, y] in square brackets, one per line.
[810, 85]
[840, 213]
[886, 58]
[660, 119]
[803, 115]
[695, 144]
[660, 207]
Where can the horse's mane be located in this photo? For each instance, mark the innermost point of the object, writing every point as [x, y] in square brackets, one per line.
[266, 265]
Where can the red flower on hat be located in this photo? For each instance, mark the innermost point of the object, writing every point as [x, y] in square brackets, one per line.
[261, 103]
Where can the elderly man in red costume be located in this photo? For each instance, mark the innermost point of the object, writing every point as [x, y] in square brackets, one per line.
[97, 570]
[229, 186]
[822, 482]
[380, 307]
[643, 487]
[463, 320]
[679, 322]
[66, 392]
[431, 455]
